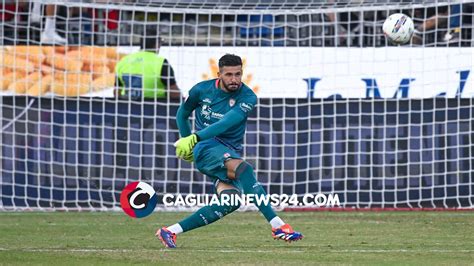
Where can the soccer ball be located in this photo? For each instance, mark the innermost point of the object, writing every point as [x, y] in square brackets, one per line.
[398, 28]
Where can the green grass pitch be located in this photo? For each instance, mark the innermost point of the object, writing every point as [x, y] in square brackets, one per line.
[244, 238]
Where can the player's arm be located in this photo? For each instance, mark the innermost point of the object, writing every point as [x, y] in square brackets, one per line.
[235, 116]
[187, 141]
[185, 110]
[185, 145]
[232, 118]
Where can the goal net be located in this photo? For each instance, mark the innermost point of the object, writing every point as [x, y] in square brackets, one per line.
[341, 110]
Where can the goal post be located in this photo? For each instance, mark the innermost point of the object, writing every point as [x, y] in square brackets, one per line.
[341, 110]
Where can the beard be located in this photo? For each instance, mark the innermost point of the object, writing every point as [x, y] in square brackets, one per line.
[231, 87]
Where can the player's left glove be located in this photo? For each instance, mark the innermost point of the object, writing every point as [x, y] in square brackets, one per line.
[184, 146]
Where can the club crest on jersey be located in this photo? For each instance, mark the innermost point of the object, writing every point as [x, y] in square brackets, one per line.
[226, 155]
[231, 102]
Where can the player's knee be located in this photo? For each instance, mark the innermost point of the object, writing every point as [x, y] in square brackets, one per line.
[230, 174]
[231, 166]
[232, 201]
[242, 168]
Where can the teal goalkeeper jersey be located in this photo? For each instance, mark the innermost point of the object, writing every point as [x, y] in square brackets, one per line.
[218, 114]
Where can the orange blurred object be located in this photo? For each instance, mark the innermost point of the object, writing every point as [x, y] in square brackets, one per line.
[22, 85]
[71, 84]
[63, 62]
[41, 87]
[10, 61]
[104, 82]
[30, 53]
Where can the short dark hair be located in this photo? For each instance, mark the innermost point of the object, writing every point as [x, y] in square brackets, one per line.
[230, 60]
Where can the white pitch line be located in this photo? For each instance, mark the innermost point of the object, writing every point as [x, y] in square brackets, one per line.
[400, 251]
[91, 250]
[40, 250]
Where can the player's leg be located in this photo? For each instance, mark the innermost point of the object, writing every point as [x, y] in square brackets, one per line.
[204, 216]
[209, 157]
[242, 171]
[211, 213]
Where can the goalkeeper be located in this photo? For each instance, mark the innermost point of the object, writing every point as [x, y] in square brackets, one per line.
[221, 108]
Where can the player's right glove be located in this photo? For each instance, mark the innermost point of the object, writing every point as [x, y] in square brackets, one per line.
[184, 146]
[189, 158]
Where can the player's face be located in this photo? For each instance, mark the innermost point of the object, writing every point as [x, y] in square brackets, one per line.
[230, 78]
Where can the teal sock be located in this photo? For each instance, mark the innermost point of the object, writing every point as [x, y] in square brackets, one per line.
[246, 176]
[208, 214]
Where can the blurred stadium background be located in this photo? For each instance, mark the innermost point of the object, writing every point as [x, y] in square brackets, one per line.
[341, 110]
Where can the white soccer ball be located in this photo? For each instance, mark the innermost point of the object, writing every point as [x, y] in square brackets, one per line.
[398, 28]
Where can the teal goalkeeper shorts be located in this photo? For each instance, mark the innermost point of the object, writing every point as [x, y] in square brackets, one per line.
[210, 156]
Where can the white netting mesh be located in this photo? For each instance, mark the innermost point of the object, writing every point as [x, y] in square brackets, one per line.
[341, 110]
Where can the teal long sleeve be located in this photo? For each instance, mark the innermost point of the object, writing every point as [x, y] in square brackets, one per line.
[182, 119]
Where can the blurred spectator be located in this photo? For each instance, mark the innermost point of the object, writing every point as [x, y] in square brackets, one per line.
[49, 34]
[145, 75]
[468, 19]
[447, 18]
[8, 10]
[348, 25]
[340, 32]
[454, 29]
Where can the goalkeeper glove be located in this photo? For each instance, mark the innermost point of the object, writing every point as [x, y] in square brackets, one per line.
[189, 158]
[184, 146]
